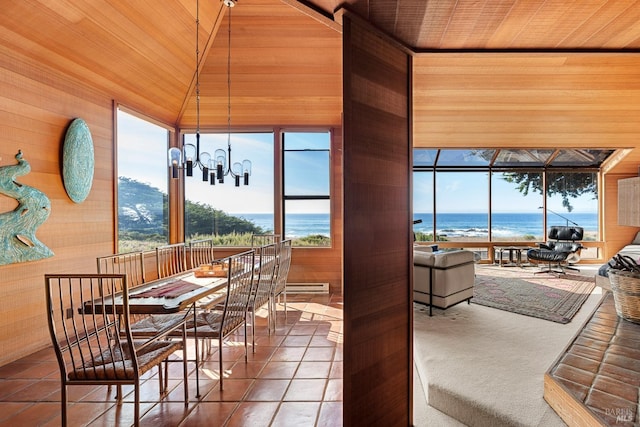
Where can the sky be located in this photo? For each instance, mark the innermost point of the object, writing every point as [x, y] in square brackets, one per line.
[468, 192]
[142, 155]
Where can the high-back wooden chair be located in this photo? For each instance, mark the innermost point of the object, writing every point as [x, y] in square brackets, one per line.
[200, 252]
[171, 259]
[92, 338]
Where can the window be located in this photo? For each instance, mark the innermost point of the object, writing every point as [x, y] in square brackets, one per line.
[516, 214]
[462, 206]
[142, 183]
[224, 212]
[572, 199]
[306, 187]
[525, 185]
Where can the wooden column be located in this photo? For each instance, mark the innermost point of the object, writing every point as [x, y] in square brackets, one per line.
[377, 229]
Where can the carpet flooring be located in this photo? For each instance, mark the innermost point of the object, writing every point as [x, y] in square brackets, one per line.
[521, 291]
[485, 367]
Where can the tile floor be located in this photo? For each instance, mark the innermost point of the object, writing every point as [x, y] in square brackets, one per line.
[601, 367]
[293, 378]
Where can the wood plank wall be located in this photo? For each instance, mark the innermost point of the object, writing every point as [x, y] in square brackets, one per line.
[377, 233]
[38, 104]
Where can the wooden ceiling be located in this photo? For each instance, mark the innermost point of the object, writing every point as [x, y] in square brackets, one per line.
[473, 61]
[427, 25]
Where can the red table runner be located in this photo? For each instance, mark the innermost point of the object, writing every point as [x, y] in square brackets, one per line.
[168, 290]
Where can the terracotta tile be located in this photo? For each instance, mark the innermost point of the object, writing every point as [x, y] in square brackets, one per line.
[589, 341]
[254, 414]
[313, 370]
[616, 388]
[267, 390]
[596, 339]
[35, 415]
[306, 390]
[303, 330]
[324, 341]
[578, 391]
[572, 374]
[330, 414]
[580, 363]
[333, 392]
[623, 362]
[285, 370]
[11, 387]
[319, 354]
[14, 369]
[336, 370]
[621, 374]
[121, 415]
[209, 413]
[626, 351]
[288, 354]
[83, 413]
[299, 414]
[610, 404]
[45, 390]
[8, 409]
[589, 353]
[296, 341]
[234, 391]
[249, 369]
[305, 344]
[165, 414]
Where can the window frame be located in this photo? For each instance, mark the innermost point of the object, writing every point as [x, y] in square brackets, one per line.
[306, 197]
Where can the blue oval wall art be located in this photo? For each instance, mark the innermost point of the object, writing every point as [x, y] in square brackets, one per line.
[77, 161]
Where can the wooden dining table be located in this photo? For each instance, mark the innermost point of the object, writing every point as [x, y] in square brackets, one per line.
[169, 295]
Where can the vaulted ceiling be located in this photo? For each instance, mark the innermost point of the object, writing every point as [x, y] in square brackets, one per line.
[286, 59]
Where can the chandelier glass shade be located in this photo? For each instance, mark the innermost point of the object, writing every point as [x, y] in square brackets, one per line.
[214, 168]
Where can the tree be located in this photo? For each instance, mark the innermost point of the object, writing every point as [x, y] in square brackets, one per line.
[203, 219]
[568, 185]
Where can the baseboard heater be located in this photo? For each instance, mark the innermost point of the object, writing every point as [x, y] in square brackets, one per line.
[307, 288]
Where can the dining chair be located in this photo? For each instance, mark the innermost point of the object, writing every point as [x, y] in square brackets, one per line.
[219, 323]
[129, 263]
[200, 252]
[171, 259]
[85, 323]
[282, 272]
[264, 279]
[258, 240]
[132, 265]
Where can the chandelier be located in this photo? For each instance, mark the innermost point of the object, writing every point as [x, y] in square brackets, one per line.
[217, 167]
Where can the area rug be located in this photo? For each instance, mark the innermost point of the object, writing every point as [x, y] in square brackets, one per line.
[519, 290]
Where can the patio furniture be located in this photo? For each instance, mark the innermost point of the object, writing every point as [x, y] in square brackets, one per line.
[86, 325]
[562, 248]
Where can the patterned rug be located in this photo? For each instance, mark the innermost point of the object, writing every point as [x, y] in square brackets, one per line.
[519, 290]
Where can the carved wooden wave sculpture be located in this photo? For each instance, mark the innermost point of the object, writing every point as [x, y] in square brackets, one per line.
[18, 242]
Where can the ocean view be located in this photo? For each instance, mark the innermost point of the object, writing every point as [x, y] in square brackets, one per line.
[458, 225]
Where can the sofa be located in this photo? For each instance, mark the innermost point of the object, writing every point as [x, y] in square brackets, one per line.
[632, 250]
[442, 278]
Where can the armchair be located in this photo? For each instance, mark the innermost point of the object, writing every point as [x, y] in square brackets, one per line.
[563, 248]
